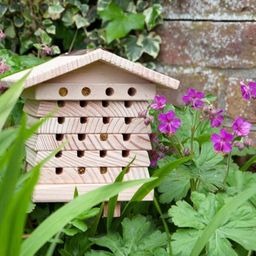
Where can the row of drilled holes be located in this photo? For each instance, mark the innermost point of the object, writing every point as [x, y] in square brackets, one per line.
[86, 91]
[102, 153]
[103, 136]
[82, 170]
[105, 120]
[84, 103]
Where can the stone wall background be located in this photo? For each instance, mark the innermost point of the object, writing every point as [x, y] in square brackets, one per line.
[211, 45]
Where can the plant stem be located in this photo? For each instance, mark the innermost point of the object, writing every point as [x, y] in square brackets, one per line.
[167, 231]
[249, 253]
[53, 245]
[73, 41]
[227, 171]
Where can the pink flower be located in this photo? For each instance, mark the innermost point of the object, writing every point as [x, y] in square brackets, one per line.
[3, 67]
[46, 50]
[194, 98]
[222, 142]
[148, 120]
[241, 127]
[240, 145]
[154, 157]
[143, 113]
[2, 35]
[159, 102]
[216, 117]
[247, 142]
[169, 123]
[248, 91]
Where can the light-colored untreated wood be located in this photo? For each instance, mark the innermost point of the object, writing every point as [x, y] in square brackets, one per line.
[85, 108]
[65, 193]
[102, 141]
[117, 211]
[89, 175]
[92, 91]
[91, 125]
[89, 158]
[70, 62]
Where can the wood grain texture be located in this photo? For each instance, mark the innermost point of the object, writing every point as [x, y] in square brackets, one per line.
[92, 108]
[65, 193]
[92, 175]
[48, 142]
[117, 211]
[68, 63]
[97, 91]
[90, 159]
[92, 125]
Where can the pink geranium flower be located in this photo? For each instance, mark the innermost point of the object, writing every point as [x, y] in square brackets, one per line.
[241, 127]
[248, 90]
[159, 102]
[222, 142]
[3, 67]
[194, 98]
[216, 117]
[169, 123]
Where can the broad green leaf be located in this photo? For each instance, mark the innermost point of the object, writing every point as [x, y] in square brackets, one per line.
[139, 237]
[132, 49]
[3, 9]
[6, 139]
[64, 215]
[55, 10]
[152, 15]
[80, 21]
[45, 38]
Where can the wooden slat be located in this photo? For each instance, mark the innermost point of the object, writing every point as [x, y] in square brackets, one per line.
[92, 108]
[98, 91]
[90, 159]
[65, 193]
[92, 125]
[92, 175]
[46, 142]
[117, 211]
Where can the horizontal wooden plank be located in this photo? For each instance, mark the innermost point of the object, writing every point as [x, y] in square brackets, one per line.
[90, 175]
[102, 141]
[85, 108]
[91, 125]
[65, 193]
[89, 159]
[92, 91]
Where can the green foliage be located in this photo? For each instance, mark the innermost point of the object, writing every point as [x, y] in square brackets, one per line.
[216, 217]
[122, 26]
[139, 237]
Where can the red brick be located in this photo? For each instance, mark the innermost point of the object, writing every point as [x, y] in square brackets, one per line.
[208, 44]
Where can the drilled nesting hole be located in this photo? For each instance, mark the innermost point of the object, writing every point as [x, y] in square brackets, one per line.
[105, 103]
[81, 170]
[106, 120]
[103, 136]
[103, 170]
[103, 153]
[126, 136]
[128, 104]
[83, 120]
[109, 91]
[58, 170]
[125, 153]
[61, 103]
[132, 91]
[127, 120]
[86, 91]
[80, 153]
[59, 137]
[81, 137]
[59, 154]
[63, 91]
[83, 103]
[61, 120]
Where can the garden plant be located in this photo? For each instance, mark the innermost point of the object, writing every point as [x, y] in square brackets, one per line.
[204, 195]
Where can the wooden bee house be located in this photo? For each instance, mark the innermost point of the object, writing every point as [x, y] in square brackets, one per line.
[98, 96]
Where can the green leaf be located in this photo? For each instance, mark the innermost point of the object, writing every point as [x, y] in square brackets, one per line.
[45, 38]
[10, 31]
[55, 10]
[64, 215]
[132, 50]
[51, 29]
[79, 224]
[213, 222]
[6, 139]
[80, 21]
[152, 15]
[139, 237]
[3, 9]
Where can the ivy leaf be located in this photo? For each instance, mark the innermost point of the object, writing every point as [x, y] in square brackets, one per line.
[80, 21]
[55, 10]
[120, 23]
[150, 44]
[152, 15]
[132, 49]
[3, 9]
[139, 238]
[240, 227]
[45, 38]
[51, 29]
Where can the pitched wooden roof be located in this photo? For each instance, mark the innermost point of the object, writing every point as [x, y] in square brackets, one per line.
[69, 62]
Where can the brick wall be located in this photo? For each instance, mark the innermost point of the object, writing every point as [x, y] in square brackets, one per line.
[211, 45]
